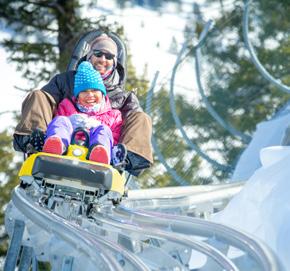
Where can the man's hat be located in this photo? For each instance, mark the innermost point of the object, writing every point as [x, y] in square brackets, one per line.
[103, 43]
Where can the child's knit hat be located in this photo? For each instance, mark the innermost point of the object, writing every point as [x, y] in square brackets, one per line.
[87, 77]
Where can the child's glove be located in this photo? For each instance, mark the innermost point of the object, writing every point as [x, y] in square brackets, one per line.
[78, 120]
[92, 123]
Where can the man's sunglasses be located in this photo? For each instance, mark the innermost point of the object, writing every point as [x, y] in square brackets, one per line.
[108, 56]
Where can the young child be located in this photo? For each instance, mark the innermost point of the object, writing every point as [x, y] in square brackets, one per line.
[89, 109]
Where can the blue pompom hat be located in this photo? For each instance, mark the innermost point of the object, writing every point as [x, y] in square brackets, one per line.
[88, 78]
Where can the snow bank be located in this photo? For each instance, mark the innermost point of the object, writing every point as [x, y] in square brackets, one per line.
[262, 208]
[268, 133]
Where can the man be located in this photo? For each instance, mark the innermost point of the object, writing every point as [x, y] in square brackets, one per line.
[39, 105]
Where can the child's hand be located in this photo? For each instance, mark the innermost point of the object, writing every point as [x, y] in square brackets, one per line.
[78, 120]
[92, 123]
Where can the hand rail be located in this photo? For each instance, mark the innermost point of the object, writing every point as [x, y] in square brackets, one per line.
[254, 57]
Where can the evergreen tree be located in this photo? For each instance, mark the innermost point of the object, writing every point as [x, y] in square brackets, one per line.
[45, 32]
[8, 169]
[234, 87]
[178, 155]
[237, 91]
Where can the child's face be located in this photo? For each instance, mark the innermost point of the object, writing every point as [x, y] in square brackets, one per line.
[90, 97]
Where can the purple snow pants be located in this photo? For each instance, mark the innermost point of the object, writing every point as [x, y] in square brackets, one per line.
[62, 127]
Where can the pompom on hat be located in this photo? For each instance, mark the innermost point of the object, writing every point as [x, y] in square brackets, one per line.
[88, 78]
[103, 43]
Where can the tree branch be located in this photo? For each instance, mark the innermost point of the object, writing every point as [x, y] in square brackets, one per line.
[3, 237]
[7, 112]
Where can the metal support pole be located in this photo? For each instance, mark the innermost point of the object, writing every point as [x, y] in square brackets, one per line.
[34, 263]
[25, 259]
[67, 263]
[14, 247]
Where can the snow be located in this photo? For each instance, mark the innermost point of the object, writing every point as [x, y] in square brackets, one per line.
[268, 133]
[262, 208]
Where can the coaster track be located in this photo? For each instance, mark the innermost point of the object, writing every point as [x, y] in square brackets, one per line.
[128, 238]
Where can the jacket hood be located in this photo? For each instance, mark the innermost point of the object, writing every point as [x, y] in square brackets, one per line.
[116, 79]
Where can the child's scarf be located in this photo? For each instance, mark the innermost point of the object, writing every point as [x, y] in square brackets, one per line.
[91, 109]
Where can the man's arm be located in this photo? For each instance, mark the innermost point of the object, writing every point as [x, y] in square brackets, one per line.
[60, 86]
[39, 107]
[126, 102]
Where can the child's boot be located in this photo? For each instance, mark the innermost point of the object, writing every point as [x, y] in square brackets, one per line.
[99, 153]
[54, 145]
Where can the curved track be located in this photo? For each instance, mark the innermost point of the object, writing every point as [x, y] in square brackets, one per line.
[128, 237]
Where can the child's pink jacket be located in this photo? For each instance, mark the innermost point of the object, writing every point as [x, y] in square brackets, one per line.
[108, 116]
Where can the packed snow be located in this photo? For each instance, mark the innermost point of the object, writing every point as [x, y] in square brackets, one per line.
[262, 208]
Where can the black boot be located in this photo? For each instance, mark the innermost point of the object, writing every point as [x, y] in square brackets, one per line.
[20, 142]
[136, 163]
[29, 143]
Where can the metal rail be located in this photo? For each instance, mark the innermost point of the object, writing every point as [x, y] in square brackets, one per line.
[120, 252]
[179, 191]
[178, 238]
[193, 226]
[227, 126]
[60, 227]
[161, 158]
[254, 58]
[90, 242]
[199, 201]
[172, 101]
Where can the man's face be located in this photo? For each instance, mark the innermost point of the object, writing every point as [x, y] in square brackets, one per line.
[102, 61]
